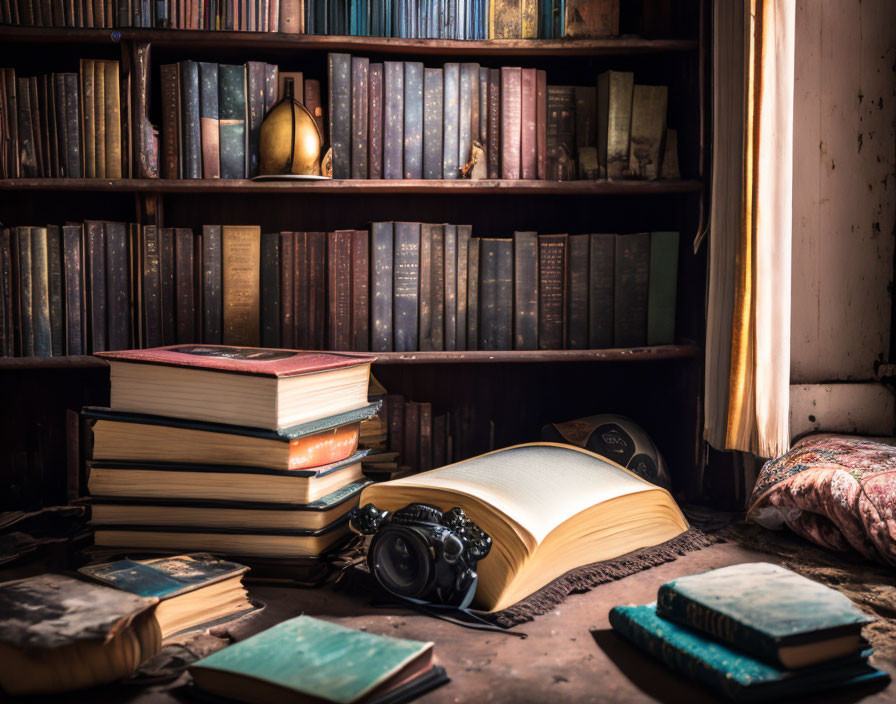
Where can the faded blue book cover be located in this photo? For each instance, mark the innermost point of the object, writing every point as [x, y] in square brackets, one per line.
[314, 658]
[164, 577]
[736, 675]
[765, 610]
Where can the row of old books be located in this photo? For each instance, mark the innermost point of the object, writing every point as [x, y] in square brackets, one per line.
[413, 19]
[400, 120]
[244, 452]
[212, 115]
[62, 124]
[399, 286]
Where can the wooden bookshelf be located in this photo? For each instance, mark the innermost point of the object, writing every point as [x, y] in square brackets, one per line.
[357, 186]
[511, 395]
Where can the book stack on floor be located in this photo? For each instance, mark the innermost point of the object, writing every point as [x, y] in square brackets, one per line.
[754, 632]
[58, 634]
[62, 124]
[400, 120]
[242, 452]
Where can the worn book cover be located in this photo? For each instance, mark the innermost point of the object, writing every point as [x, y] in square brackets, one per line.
[208, 116]
[271, 288]
[551, 291]
[648, 131]
[592, 18]
[766, 611]
[241, 304]
[433, 91]
[191, 136]
[375, 121]
[631, 288]
[450, 283]
[360, 274]
[601, 290]
[525, 290]
[730, 672]
[577, 292]
[451, 121]
[464, 235]
[393, 119]
[406, 286]
[360, 102]
[614, 120]
[233, 120]
[339, 290]
[212, 316]
[381, 275]
[511, 121]
[184, 292]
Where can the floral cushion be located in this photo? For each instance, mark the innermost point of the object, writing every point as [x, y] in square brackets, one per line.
[837, 491]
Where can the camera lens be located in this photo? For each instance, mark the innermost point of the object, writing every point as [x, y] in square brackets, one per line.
[401, 561]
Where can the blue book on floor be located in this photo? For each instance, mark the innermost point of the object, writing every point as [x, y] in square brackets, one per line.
[736, 675]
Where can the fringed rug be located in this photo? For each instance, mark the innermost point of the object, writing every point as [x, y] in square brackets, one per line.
[357, 579]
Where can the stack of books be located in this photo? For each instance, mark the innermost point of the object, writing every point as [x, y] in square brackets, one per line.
[242, 452]
[753, 632]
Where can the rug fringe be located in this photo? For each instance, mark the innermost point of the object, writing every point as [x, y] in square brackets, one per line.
[583, 579]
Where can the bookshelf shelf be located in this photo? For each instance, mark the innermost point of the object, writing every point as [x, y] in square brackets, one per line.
[631, 354]
[612, 46]
[356, 186]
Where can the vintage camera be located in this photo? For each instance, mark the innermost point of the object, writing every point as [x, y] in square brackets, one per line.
[422, 554]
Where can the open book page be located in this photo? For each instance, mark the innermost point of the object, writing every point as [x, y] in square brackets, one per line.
[539, 486]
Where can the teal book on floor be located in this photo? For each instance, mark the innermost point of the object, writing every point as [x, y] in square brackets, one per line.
[767, 611]
[309, 660]
[736, 675]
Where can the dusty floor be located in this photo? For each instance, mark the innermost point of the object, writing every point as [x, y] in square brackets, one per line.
[559, 662]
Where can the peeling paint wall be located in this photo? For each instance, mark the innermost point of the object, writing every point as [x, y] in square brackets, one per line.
[844, 190]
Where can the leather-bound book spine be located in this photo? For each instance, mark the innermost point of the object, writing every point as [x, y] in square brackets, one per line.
[601, 290]
[70, 125]
[208, 115]
[88, 127]
[339, 74]
[586, 117]
[488, 293]
[551, 291]
[55, 283]
[241, 258]
[48, 91]
[12, 112]
[292, 17]
[40, 294]
[317, 303]
[112, 110]
[464, 233]
[493, 148]
[473, 294]
[38, 126]
[433, 109]
[62, 125]
[289, 270]
[525, 290]
[21, 279]
[413, 119]
[27, 157]
[465, 111]
[315, 105]
[74, 292]
[255, 87]
[232, 120]
[561, 142]
[183, 285]
[648, 131]
[301, 291]
[360, 272]
[424, 433]
[211, 284]
[381, 278]
[451, 121]
[99, 116]
[167, 277]
[577, 292]
[152, 285]
[360, 105]
[631, 289]
[504, 295]
[505, 19]
[339, 290]
[450, 257]
[170, 131]
[406, 285]
[528, 138]
[426, 283]
[511, 121]
[541, 124]
[271, 270]
[614, 120]
[118, 305]
[375, 121]
[96, 284]
[393, 119]
[483, 107]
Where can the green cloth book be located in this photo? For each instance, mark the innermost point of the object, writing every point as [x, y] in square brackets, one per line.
[767, 611]
[309, 660]
[736, 675]
[661, 288]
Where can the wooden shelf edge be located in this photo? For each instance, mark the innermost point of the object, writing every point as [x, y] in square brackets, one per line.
[633, 354]
[354, 186]
[382, 45]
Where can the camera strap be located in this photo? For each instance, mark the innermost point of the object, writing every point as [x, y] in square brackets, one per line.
[462, 617]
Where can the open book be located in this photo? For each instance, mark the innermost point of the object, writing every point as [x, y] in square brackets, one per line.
[548, 508]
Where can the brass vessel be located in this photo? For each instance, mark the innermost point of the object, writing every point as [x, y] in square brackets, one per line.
[291, 141]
